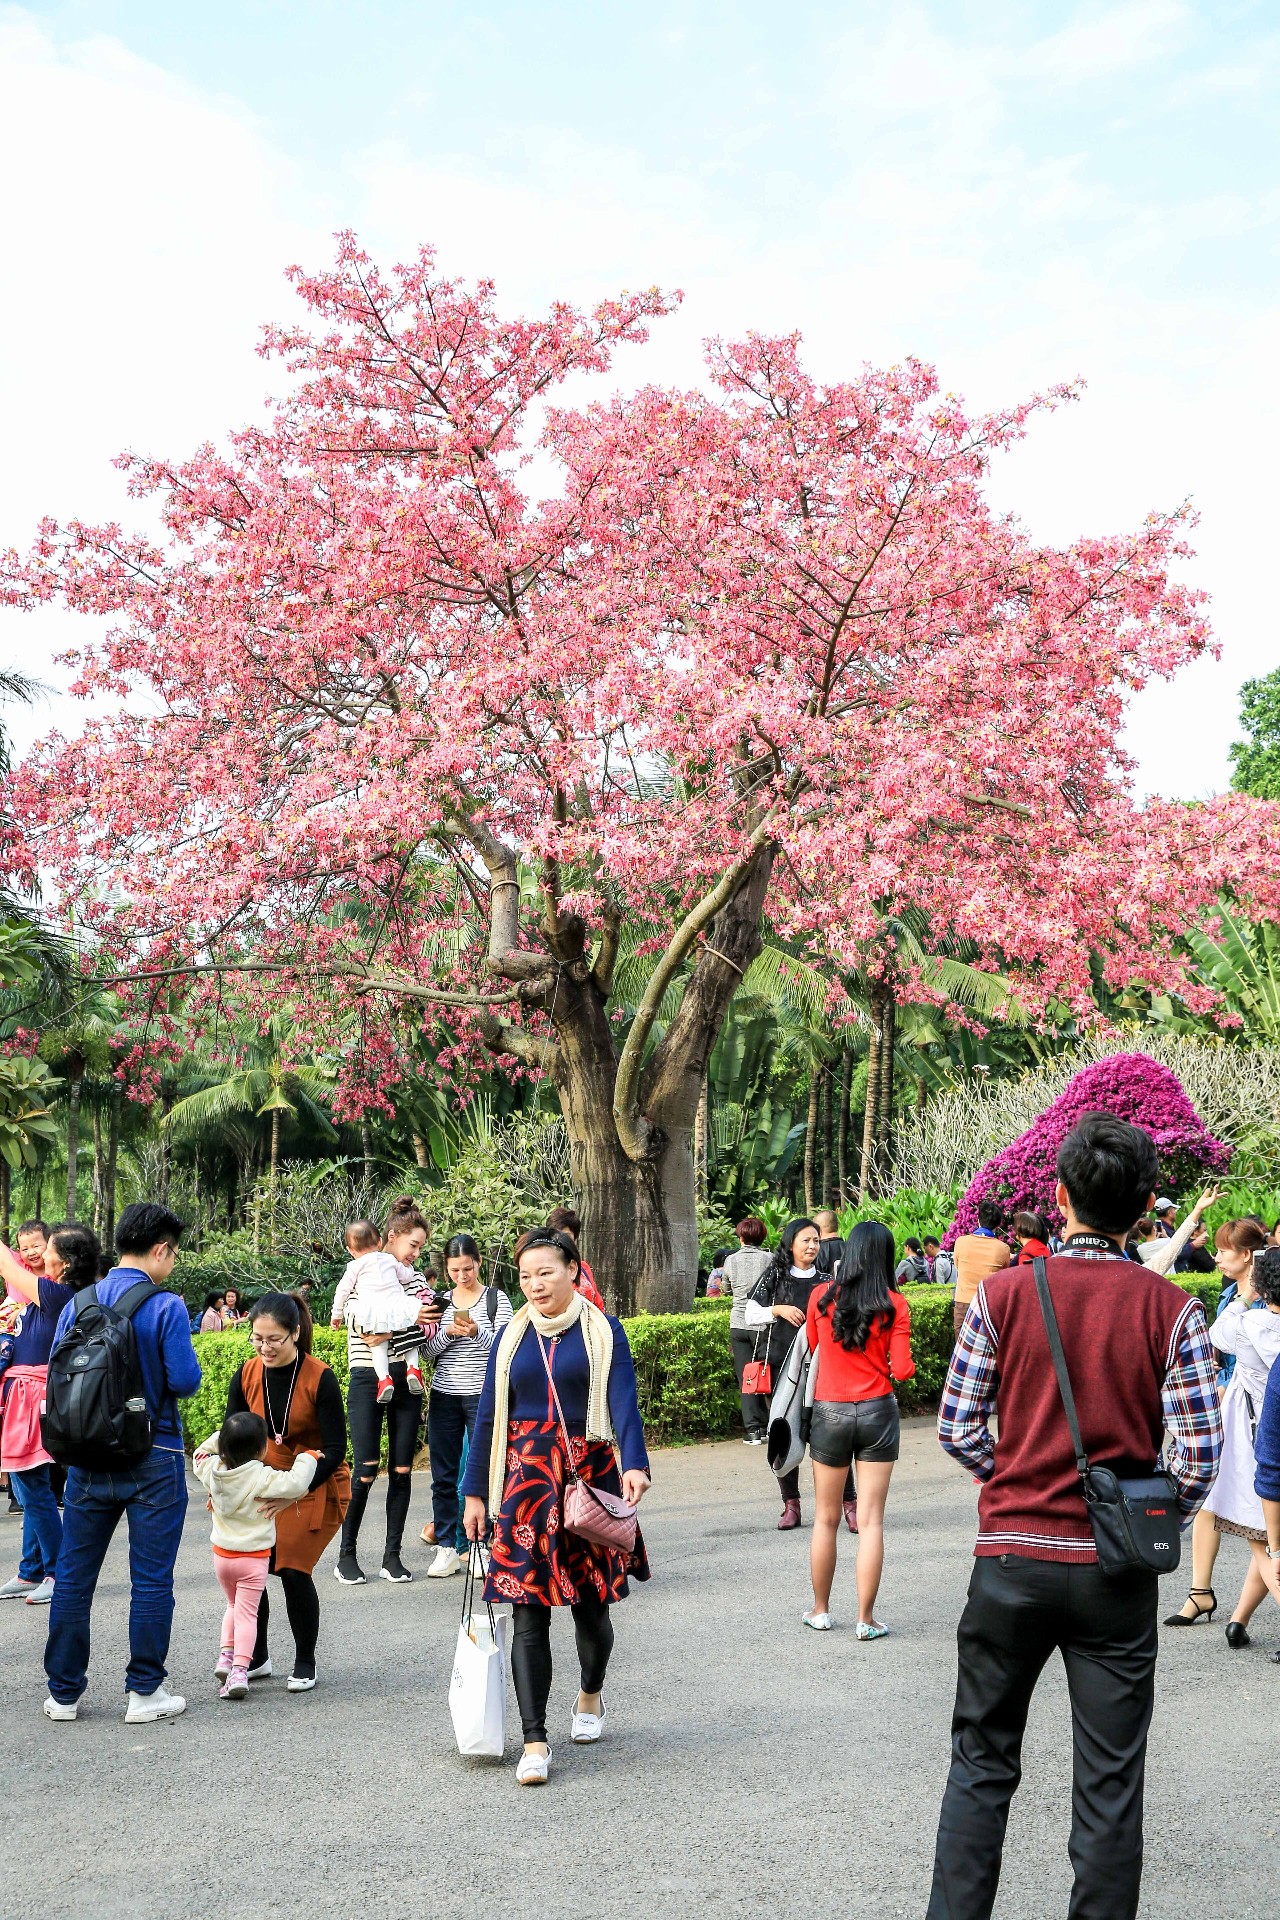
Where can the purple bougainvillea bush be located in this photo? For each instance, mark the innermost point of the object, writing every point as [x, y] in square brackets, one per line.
[1130, 1085]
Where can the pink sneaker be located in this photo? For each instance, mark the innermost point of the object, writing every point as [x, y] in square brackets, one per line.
[386, 1390]
[237, 1685]
[226, 1660]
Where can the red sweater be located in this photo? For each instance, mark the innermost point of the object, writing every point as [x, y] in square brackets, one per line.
[863, 1373]
[1120, 1325]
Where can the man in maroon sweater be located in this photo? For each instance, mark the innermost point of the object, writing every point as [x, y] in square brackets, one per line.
[1141, 1366]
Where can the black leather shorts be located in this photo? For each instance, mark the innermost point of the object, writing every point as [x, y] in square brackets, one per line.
[842, 1431]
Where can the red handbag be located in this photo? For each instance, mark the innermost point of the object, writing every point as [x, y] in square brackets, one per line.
[757, 1375]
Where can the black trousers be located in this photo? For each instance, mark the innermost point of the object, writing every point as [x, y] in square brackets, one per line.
[451, 1419]
[531, 1657]
[403, 1416]
[1019, 1611]
[302, 1604]
[743, 1344]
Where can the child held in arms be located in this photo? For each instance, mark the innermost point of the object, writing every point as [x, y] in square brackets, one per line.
[371, 1297]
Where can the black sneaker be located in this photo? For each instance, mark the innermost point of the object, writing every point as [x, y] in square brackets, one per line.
[394, 1568]
[348, 1571]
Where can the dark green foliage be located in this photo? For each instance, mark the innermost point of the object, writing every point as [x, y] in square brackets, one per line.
[1257, 757]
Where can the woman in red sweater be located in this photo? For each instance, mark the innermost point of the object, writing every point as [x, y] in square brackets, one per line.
[859, 1333]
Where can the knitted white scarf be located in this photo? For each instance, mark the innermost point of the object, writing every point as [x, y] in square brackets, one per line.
[597, 1337]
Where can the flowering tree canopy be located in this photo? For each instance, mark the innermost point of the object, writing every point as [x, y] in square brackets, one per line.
[1134, 1087]
[402, 724]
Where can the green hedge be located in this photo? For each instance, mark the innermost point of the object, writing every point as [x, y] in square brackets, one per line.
[684, 1369]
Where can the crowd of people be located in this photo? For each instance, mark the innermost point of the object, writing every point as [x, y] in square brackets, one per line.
[533, 1422]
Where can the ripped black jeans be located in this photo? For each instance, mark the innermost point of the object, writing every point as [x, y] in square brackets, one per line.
[403, 1415]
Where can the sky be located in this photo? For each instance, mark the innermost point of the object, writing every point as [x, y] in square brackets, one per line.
[1018, 193]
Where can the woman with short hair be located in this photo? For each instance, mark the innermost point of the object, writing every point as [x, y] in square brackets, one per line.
[212, 1317]
[977, 1255]
[743, 1270]
[560, 1383]
[859, 1330]
[299, 1398]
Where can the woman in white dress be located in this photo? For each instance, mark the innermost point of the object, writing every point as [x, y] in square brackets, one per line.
[1253, 1335]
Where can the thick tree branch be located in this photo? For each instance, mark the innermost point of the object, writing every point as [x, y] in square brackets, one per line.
[360, 981]
[531, 1048]
[606, 960]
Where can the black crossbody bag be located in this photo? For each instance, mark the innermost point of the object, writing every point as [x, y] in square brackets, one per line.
[1135, 1519]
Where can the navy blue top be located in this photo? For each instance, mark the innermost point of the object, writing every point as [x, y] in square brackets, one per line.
[162, 1329]
[529, 1398]
[1266, 1445]
[33, 1342]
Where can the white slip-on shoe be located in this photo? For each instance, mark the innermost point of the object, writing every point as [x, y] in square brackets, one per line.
[261, 1673]
[17, 1588]
[41, 1596]
[820, 1622]
[585, 1728]
[300, 1682]
[532, 1769]
[871, 1630]
[446, 1562]
[60, 1709]
[160, 1705]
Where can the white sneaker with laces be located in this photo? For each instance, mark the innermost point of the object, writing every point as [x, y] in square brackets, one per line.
[160, 1705]
[60, 1709]
[532, 1769]
[446, 1562]
[820, 1622]
[41, 1596]
[585, 1728]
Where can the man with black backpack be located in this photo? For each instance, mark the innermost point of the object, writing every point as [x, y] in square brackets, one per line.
[1087, 1361]
[121, 1361]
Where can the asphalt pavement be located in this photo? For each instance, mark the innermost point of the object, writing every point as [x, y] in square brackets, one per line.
[749, 1767]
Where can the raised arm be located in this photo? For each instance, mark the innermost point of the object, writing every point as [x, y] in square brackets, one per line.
[20, 1278]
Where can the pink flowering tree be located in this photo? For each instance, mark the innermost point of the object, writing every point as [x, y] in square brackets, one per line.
[1131, 1085]
[437, 696]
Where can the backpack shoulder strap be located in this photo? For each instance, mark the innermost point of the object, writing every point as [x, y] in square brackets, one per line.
[87, 1297]
[491, 1305]
[1041, 1273]
[129, 1302]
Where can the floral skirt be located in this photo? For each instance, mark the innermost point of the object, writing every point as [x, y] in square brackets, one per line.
[533, 1560]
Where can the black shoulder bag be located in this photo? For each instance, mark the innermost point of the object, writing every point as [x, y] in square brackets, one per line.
[1135, 1519]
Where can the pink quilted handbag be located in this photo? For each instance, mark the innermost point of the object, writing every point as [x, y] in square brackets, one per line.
[606, 1519]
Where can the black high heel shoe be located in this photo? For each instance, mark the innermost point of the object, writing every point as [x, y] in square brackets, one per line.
[1237, 1634]
[1201, 1613]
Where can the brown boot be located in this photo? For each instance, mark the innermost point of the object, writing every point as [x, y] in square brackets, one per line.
[790, 1516]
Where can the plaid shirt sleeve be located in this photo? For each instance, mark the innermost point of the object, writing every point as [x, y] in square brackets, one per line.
[1192, 1414]
[969, 1397]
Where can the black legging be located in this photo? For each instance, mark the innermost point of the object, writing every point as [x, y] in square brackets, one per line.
[403, 1416]
[531, 1657]
[302, 1604]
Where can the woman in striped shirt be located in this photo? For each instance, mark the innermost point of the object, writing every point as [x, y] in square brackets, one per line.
[472, 1320]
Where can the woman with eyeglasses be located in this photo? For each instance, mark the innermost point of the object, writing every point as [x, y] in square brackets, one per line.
[299, 1398]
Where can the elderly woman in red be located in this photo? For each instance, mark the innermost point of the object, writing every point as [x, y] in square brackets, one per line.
[559, 1356]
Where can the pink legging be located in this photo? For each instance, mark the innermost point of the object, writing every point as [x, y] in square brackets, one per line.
[242, 1576]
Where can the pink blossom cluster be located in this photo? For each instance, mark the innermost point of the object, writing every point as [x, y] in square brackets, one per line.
[1130, 1085]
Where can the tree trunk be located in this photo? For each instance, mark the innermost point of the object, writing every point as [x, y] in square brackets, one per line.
[700, 1127]
[275, 1170]
[114, 1110]
[420, 1152]
[4, 1201]
[842, 1128]
[884, 1124]
[871, 1113]
[826, 1136]
[811, 1138]
[75, 1077]
[97, 1170]
[366, 1146]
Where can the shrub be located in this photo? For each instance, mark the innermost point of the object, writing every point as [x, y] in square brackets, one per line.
[1130, 1085]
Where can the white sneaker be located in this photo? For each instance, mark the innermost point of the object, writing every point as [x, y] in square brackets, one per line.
[445, 1563]
[160, 1705]
[586, 1727]
[41, 1596]
[60, 1709]
[532, 1769]
[820, 1622]
[17, 1588]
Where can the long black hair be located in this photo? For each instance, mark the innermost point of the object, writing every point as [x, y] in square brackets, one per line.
[858, 1297]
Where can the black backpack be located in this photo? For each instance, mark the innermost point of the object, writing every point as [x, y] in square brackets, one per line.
[95, 1411]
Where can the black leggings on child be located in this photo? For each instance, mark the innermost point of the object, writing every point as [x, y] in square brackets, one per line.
[302, 1604]
[531, 1657]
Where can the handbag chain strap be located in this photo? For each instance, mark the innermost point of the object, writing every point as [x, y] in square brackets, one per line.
[1040, 1271]
[564, 1425]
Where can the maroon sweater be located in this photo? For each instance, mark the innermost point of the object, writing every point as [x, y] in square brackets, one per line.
[1120, 1325]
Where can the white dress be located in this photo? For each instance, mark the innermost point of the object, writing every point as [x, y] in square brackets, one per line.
[372, 1297]
[1253, 1335]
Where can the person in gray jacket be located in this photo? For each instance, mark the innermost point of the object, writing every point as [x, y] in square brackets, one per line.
[743, 1271]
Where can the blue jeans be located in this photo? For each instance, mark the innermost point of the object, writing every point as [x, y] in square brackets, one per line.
[41, 1522]
[450, 1419]
[154, 1497]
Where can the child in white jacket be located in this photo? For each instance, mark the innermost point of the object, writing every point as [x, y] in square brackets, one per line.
[371, 1297]
[232, 1468]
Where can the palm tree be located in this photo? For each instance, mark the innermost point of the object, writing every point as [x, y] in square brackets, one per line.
[26, 1125]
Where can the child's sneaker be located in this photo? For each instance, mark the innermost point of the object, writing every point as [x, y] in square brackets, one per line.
[226, 1660]
[386, 1389]
[237, 1685]
[413, 1375]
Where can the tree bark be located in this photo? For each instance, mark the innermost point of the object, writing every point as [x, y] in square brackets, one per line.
[826, 1135]
[114, 1112]
[884, 1124]
[842, 1127]
[871, 1112]
[75, 1079]
[700, 1143]
[366, 1146]
[97, 1170]
[275, 1172]
[811, 1138]
[420, 1152]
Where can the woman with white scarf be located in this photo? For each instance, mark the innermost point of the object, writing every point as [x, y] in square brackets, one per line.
[516, 1476]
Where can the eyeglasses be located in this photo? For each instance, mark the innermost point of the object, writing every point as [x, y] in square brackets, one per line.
[270, 1339]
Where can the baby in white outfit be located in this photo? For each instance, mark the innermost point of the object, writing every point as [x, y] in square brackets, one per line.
[371, 1297]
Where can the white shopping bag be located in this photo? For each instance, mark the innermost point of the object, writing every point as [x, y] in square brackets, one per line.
[478, 1685]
